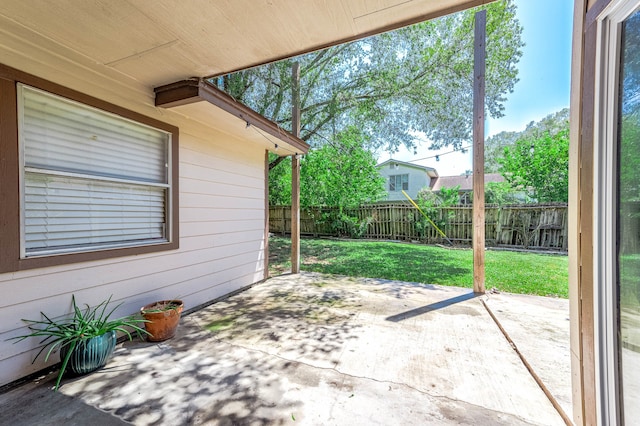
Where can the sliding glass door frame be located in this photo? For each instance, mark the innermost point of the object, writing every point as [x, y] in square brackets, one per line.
[607, 204]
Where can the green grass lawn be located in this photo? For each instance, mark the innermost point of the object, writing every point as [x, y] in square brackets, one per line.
[512, 272]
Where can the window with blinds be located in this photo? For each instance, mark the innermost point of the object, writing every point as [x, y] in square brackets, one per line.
[91, 180]
[399, 182]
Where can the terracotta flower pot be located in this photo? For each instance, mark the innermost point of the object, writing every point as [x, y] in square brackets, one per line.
[164, 317]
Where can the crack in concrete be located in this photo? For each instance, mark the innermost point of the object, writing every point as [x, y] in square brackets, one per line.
[387, 382]
[529, 368]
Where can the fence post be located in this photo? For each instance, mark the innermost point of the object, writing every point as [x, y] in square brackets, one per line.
[284, 220]
[399, 221]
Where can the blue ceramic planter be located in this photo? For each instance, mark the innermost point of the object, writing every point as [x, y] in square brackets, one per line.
[91, 354]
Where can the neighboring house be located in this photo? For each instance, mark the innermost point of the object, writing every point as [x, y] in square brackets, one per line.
[465, 182]
[407, 177]
[196, 206]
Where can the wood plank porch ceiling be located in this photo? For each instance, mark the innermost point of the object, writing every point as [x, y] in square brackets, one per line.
[162, 41]
[158, 43]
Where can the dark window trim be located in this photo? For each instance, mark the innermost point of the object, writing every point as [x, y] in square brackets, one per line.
[10, 260]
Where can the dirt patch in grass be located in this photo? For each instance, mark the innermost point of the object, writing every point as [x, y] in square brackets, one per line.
[316, 260]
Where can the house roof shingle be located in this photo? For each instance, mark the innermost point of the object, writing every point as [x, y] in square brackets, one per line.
[430, 170]
[465, 181]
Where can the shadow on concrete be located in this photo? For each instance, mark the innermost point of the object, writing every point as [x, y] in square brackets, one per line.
[229, 363]
[432, 307]
[309, 319]
[35, 403]
[310, 349]
[190, 380]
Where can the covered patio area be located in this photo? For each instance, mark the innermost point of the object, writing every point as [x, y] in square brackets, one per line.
[315, 349]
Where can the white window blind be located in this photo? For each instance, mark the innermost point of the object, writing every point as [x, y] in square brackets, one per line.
[399, 182]
[91, 179]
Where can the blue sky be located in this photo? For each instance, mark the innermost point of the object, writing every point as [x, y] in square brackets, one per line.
[543, 86]
[545, 66]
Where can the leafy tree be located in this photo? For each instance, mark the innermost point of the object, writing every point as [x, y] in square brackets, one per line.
[631, 76]
[494, 149]
[445, 197]
[629, 193]
[630, 114]
[630, 157]
[280, 182]
[340, 174]
[539, 165]
[501, 193]
[449, 196]
[495, 145]
[427, 197]
[431, 204]
[418, 78]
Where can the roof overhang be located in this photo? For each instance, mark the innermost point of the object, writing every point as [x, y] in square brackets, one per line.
[199, 98]
[161, 41]
[155, 43]
[431, 172]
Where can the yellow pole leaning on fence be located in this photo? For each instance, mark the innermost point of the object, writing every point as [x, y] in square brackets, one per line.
[427, 217]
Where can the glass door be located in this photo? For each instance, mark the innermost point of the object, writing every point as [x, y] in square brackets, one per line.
[628, 212]
[617, 220]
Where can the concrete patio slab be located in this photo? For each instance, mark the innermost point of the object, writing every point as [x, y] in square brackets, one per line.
[315, 349]
[539, 327]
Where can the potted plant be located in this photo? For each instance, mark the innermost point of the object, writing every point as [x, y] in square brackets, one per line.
[86, 340]
[161, 319]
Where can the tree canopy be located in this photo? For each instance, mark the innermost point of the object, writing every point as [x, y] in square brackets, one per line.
[539, 165]
[416, 79]
[341, 174]
[629, 130]
[630, 157]
[495, 145]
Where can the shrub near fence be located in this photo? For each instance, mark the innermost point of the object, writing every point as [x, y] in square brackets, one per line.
[528, 226]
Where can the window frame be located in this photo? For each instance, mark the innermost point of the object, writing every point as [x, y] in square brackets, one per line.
[395, 178]
[606, 207]
[11, 186]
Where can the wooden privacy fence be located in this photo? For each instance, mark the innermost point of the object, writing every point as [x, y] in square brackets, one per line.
[528, 226]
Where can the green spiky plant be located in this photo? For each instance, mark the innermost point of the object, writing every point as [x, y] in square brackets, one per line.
[82, 326]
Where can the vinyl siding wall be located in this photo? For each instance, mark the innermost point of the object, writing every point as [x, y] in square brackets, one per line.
[418, 179]
[222, 214]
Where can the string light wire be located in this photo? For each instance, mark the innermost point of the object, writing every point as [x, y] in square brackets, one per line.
[437, 156]
[275, 144]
